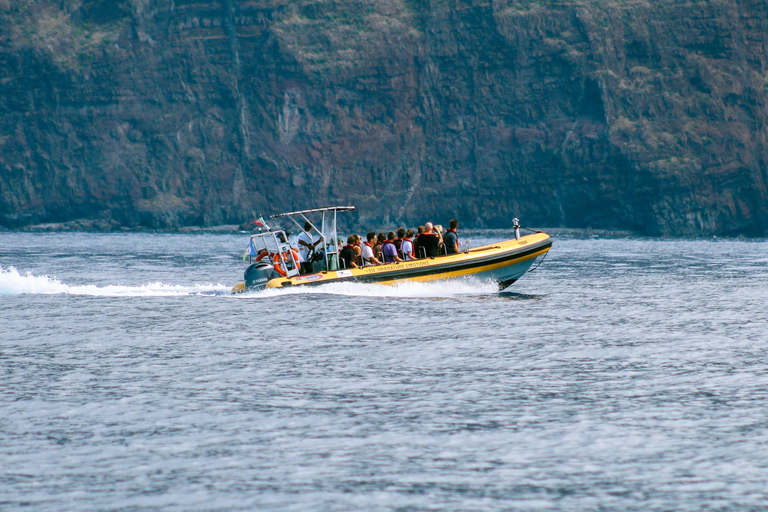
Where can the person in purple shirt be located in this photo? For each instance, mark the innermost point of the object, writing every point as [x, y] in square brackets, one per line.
[389, 250]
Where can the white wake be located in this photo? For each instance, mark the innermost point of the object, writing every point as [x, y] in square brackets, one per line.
[14, 283]
[443, 288]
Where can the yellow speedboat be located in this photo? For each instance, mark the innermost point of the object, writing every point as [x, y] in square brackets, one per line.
[505, 262]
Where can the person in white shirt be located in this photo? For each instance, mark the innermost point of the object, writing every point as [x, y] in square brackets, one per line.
[293, 241]
[407, 246]
[307, 244]
[367, 251]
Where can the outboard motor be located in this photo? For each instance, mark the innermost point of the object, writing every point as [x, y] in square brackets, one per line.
[516, 225]
[257, 275]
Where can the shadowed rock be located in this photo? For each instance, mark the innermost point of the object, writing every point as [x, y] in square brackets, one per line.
[643, 116]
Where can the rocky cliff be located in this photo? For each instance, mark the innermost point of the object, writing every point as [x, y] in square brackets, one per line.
[648, 116]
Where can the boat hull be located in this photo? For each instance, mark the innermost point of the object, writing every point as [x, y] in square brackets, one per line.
[504, 262]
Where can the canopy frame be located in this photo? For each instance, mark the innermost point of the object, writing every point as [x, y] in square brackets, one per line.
[328, 230]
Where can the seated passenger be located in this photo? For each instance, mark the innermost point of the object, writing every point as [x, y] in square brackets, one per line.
[367, 251]
[451, 238]
[388, 249]
[399, 240]
[438, 230]
[380, 239]
[429, 241]
[358, 250]
[407, 247]
[347, 253]
[417, 248]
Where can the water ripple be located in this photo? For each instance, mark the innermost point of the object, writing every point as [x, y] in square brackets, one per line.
[621, 375]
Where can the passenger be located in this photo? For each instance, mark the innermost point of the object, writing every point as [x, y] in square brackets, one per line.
[380, 239]
[358, 251]
[416, 245]
[347, 253]
[288, 261]
[389, 250]
[367, 251]
[306, 246]
[429, 241]
[399, 240]
[407, 246]
[438, 230]
[451, 238]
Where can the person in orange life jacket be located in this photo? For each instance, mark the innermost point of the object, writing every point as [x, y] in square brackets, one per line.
[429, 241]
[367, 251]
[451, 238]
[407, 246]
[347, 253]
[399, 241]
[307, 244]
[389, 250]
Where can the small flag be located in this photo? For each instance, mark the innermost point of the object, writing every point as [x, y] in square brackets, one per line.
[259, 222]
[250, 251]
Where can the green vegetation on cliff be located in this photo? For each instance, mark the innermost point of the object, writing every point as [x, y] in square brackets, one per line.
[648, 116]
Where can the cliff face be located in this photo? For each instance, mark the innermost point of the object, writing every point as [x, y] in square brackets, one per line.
[629, 115]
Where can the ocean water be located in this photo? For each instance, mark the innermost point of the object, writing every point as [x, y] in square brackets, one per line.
[623, 374]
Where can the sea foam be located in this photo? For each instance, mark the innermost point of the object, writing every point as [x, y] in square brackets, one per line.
[442, 288]
[14, 283]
